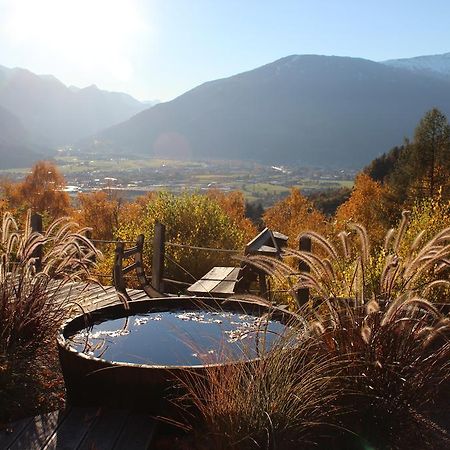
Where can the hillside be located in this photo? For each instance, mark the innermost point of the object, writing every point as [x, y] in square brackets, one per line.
[16, 147]
[57, 114]
[319, 110]
[432, 65]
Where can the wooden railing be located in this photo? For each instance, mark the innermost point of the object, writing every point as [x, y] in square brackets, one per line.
[153, 288]
[155, 285]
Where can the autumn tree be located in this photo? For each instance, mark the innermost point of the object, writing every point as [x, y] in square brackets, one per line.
[42, 191]
[131, 212]
[294, 215]
[233, 204]
[365, 206]
[99, 212]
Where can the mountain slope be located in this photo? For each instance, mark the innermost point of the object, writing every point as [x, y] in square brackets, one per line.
[434, 65]
[310, 109]
[16, 148]
[58, 114]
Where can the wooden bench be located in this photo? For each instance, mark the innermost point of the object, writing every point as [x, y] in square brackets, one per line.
[226, 281]
[81, 429]
[119, 271]
[218, 282]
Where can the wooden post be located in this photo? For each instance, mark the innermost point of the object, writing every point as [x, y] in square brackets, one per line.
[117, 275]
[303, 293]
[158, 256]
[36, 226]
[263, 288]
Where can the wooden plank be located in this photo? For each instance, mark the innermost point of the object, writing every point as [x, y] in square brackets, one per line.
[281, 236]
[39, 431]
[105, 296]
[12, 432]
[96, 291]
[224, 288]
[72, 431]
[134, 291]
[228, 285]
[62, 289]
[105, 431]
[266, 249]
[209, 281]
[137, 434]
[81, 429]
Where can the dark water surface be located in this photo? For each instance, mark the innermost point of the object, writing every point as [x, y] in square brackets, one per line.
[180, 337]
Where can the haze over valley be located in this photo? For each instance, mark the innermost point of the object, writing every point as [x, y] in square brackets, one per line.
[303, 110]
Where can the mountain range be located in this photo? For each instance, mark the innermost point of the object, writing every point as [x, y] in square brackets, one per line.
[301, 109]
[52, 114]
[307, 109]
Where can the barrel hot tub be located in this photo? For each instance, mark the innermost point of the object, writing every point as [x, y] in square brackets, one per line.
[135, 358]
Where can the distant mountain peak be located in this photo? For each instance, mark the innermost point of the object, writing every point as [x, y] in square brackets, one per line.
[300, 109]
[438, 65]
[91, 87]
[54, 114]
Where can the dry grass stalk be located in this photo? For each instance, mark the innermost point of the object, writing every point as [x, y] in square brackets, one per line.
[285, 399]
[29, 310]
[395, 336]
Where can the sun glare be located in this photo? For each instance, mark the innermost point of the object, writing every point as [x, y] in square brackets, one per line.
[87, 33]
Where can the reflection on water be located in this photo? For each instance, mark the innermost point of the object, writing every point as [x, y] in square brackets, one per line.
[180, 337]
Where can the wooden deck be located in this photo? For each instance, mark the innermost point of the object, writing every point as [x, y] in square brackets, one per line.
[81, 429]
[92, 296]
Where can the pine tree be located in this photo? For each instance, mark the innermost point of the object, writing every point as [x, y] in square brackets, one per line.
[431, 154]
[423, 168]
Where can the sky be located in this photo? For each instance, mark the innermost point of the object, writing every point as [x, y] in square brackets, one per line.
[158, 49]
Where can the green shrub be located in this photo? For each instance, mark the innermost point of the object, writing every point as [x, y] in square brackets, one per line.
[192, 220]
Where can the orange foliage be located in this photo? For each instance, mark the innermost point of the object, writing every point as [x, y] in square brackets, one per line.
[233, 204]
[132, 212]
[366, 206]
[99, 212]
[294, 215]
[3, 205]
[41, 191]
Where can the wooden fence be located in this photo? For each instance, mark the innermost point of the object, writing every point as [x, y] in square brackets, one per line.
[159, 256]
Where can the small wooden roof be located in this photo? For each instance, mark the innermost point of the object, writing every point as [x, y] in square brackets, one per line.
[267, 242]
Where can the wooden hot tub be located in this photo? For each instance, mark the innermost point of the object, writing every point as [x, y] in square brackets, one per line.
[134, 358]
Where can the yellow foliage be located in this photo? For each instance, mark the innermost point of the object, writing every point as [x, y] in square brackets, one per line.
[233, 203]
[191, 220]
[98, 212]
[431, 216]
[294, 215]
[366, 206]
